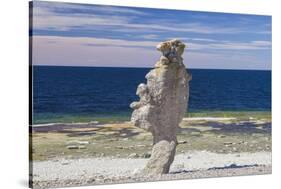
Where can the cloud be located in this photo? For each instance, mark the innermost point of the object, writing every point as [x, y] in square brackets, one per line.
[201, 39]
[87, 41]
[106, 42]
[45, 18]
[227, 45]
[150, 36]
[84, 51]
[92, 35]
[219, 60]
[51, 50]
[65, 17]
[174, 27]
[86, 9]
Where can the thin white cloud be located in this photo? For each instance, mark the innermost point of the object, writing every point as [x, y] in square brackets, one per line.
[173, 27]
[84, 51]
[44, 18]
[262, 43]
[100, 8]
[49, 18]
[235, 60]
[90, 41]
[150, 36]
[50, 50]
[202, 39]
[251, 45]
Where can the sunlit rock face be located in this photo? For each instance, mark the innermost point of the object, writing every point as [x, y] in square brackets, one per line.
[162, 105]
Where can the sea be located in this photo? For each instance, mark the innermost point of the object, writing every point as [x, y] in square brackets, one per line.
[63, 94]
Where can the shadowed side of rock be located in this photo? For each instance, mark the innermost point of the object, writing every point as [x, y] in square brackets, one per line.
[162, 105]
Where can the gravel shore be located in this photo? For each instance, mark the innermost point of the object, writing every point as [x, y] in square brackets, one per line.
[106, 170]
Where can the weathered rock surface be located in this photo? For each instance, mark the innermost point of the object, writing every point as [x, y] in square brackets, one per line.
[162, 105]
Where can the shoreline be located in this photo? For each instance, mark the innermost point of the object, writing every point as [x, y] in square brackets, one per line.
[97, 123]
[125, 117]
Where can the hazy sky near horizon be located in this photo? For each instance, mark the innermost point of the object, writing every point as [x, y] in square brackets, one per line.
[66, 34]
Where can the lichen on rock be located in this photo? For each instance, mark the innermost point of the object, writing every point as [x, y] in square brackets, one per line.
[162, 105]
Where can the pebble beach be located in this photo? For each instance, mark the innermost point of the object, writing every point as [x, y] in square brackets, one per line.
[92, 153]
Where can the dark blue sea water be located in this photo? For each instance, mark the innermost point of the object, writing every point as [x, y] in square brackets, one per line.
[92, 91]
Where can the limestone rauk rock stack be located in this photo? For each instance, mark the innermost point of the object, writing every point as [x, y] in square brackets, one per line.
[162, 105]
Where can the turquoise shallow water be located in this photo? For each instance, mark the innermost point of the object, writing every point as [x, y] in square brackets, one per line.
[75, 118]
[113, 118]
[74, 94]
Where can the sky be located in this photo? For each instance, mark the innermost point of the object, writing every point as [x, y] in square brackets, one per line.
[67, 34]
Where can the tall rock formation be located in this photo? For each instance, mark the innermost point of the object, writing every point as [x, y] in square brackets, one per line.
[162, 105]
